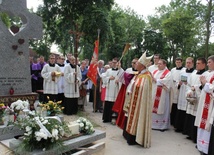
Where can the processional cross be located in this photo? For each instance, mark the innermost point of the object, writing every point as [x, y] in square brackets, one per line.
[77, 36]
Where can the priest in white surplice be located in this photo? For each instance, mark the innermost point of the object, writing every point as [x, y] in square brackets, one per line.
[161, 85]
[112, 89]
[175, 91]
[194, 90]
[182, 102]
[205, 106]
[154, 67]
[61, 64]
[72, 78]
[50, 73]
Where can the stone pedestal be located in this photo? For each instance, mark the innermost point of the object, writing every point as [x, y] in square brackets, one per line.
[8, 99]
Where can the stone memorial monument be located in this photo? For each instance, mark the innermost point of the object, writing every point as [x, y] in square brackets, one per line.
[15, 78]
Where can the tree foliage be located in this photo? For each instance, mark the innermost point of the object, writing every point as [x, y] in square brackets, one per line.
[5, 19]
[127, 27]
[180, 29]
[182, 24]
[62, 16]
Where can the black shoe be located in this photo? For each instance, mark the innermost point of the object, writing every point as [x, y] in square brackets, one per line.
[202, 153]
[101, 111]
[163, 130]
[94, 110]
[177, 130]
[132, 143]
[188, 137]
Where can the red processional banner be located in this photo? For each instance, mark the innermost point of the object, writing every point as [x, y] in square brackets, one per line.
[92, 71]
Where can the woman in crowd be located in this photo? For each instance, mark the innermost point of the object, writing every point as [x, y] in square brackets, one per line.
[83, 86]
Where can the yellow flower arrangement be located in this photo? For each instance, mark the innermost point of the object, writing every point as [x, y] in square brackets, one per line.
[2, 105]
[2, 111]
[52, 108]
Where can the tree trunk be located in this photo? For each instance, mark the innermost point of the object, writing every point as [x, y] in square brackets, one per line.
[208, 18]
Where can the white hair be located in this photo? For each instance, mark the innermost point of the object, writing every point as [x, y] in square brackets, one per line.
[101, 61]
[106, 66]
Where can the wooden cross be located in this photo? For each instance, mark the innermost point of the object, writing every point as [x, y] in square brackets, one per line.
[77, 36]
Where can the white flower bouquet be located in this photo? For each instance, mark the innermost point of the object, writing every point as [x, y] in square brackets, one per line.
[19, 105]
[41, 133]
[86, 126]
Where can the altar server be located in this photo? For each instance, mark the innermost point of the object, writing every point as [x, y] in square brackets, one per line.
[112, 89]
[175, 91]
[72, 76]
[50, 73]
[193, 93]
[182, 102]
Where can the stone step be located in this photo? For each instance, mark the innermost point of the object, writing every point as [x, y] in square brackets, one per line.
[90, 150]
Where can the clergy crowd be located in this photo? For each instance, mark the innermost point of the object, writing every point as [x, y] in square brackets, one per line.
[138, 99]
